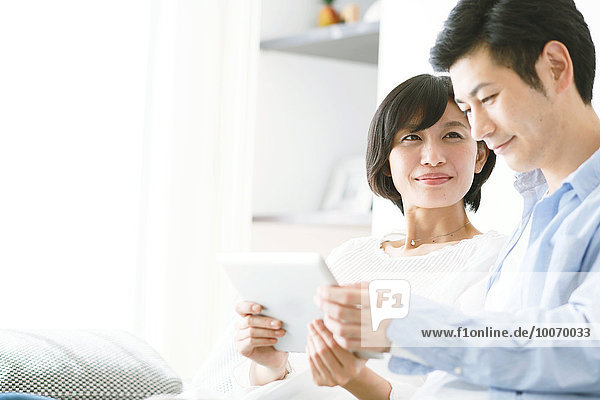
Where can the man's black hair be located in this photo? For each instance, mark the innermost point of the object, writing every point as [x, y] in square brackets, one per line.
[515, 32]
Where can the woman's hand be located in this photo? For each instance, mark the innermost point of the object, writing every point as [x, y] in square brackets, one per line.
[254, 338]
[330, 364]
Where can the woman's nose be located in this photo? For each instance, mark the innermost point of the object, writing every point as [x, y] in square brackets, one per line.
[432, 154]
[481, 124]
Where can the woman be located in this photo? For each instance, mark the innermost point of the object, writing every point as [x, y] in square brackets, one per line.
[420, 156]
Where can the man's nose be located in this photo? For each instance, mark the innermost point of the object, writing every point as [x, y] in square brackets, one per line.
[481, 124]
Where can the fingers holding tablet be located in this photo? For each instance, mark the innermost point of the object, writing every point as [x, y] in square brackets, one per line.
[247, 307]
[248, 311]
[256, 334]
[353, 296]
[253, 332]
[339, 312]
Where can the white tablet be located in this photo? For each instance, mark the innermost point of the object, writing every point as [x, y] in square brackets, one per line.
[284, 284]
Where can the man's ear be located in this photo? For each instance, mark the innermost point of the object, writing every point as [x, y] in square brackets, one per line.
[555, 64]
[482, 156]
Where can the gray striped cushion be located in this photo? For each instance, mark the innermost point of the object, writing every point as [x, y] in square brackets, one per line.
[83, 365]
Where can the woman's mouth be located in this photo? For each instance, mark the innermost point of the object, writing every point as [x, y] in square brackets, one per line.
[433, 179]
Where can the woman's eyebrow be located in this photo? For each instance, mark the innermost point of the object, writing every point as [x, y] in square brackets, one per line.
[412, 128]
[454, 124]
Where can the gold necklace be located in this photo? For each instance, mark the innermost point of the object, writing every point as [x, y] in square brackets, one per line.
[414, 241]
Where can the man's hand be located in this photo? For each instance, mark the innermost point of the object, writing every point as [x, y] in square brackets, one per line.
[348, 317]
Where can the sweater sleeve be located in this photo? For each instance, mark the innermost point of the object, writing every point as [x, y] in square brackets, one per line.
[216, 373]
[227, 372]
[405, 386]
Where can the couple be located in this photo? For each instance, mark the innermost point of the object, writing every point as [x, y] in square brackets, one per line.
[422, 157]
[523, 73]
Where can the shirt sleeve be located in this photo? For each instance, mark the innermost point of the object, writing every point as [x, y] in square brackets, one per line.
[514, 366]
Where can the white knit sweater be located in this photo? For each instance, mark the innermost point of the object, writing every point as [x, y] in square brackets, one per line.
[455, 274]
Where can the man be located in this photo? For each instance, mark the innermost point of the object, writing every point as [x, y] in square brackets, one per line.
[523, 73]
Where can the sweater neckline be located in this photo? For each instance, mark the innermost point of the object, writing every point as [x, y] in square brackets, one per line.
[460, 244]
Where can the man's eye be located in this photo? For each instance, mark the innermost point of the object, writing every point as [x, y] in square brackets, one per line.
[487, 99]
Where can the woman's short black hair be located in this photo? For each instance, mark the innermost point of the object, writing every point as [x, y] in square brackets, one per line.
[421, 99]
[515, 33]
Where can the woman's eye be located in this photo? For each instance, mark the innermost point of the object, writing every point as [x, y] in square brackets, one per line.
[453, 135]
[411, 138]
[466, 113]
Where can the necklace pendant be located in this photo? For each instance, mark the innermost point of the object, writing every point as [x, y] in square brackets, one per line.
[412, 242]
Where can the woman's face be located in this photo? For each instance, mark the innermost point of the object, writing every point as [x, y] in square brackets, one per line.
[434, 168]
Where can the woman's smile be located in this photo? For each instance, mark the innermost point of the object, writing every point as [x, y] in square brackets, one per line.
[433, 179]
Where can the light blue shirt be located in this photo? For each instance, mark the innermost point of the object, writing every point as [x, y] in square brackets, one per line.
[564, 241]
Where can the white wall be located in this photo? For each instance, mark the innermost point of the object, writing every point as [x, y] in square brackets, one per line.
[408, 31]
[72, 81]
[197, 165]
[311, 113]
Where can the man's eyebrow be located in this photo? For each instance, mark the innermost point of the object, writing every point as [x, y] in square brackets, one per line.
[474, 91]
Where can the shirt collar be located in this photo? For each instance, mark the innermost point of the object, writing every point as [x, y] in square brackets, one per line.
[586, 177]
[583, 180]
[526, 181]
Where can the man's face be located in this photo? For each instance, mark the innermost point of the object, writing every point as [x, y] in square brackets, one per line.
[514, 119]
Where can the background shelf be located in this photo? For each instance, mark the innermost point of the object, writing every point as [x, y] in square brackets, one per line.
[358, 42]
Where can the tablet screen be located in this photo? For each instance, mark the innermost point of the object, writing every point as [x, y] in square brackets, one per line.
[284, 284]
